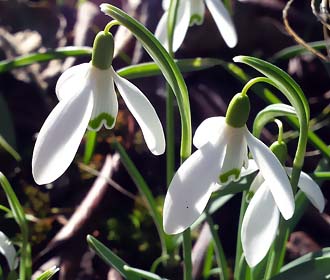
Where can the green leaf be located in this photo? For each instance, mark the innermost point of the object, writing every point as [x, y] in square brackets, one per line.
[296, 50]
[310, 266]
[168, 67]
[60, 53]
[9, 149]
[19, 216]
[150, 69]
[269, 114]
[48, 274]
[142, 273]
[111, 258]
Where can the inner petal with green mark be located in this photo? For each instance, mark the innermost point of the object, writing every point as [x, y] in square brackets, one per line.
[229, 176]
[103, 119]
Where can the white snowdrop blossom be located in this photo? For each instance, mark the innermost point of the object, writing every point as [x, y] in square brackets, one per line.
[190, 12]
[261, 219]
[87, 99]
[8, 250]
[222, 145]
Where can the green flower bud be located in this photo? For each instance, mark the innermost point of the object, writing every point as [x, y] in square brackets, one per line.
[103, 50]
[238, 111]
[280, 149]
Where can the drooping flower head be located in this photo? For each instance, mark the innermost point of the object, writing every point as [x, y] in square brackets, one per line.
[222, 145]
[87, 99]
[262, 216]
[190, 12]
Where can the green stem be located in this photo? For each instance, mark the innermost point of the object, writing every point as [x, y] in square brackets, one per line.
[239, 250]
[110, 24]
[146, 193]
[170, 139]
[220, 255]
[187, 255]
[280, 130]
[321, 175]
[253, 82]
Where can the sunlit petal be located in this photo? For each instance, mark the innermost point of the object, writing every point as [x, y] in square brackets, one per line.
[105, 107]
[252, 167]
[60, 135]
[311, 189]
[259, 226]
[68, 81]
[8, 250]
[197, 12]
[161, 30]
[208, 130]
[223, 20]
[274, 175]
[190, 190]
[166, 4]
[144, 113]
[182, 24]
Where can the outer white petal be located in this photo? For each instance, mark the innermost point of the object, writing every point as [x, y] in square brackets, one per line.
[166, 4]
[311, 190]
[144, 114]
[274, 175]
[190, 188]
[259, 226]
[70, 80]
[105, 107]
[161, 30]
[61, 134]
[182, 23]
[8, 250]
[236, 155]
[209, 130]
[223, 20]
[197, 12]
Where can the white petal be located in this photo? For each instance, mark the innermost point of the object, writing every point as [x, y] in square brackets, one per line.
[144, 113]
[311, 190]
[197, 12]
[182, 23]
[274, 175]
[190, 188]
[8, 250]
[252, 167]
[256, 183]
[166, 4]
[223, 20]
[161, 30]
[70, 80]
[236, 155]
[208, 130]
[105, 107]
[259, 226]
[61, 134]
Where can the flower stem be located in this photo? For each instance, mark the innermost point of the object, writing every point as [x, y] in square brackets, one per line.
[110, 24]
[252, 82]
[170, 140]
[280, 130]
[187, 255]
[220, 255]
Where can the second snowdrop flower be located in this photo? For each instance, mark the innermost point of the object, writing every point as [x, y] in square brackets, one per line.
[87, 99]
[190, 12]
[222, 152]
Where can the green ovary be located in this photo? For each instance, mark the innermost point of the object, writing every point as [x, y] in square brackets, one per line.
[96, 123]
[225, 176]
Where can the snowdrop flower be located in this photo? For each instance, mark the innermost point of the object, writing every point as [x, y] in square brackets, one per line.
[87, 98]
[8, 250]
[261, 219]
[191, 12]
[222, 152]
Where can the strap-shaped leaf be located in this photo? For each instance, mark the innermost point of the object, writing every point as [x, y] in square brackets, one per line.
[310, 266]
[167, 65]
[48, 274]
[111, 258]
[270, 113]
